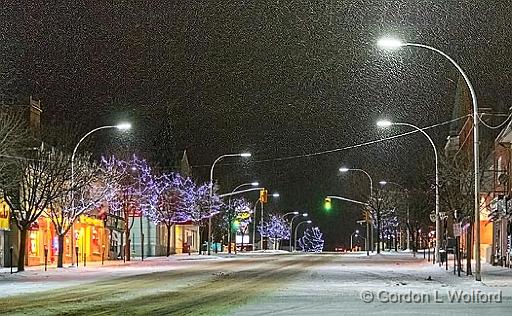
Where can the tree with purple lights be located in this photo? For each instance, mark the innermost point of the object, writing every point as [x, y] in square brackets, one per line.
[172, 200]
[206, 207]
[312, 240]
[129, 185]
[275, 228]
[389, 226]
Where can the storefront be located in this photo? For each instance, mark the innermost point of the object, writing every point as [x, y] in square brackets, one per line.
[4, 227]
[88, 236]
[91, 239]
[115, 229]
[184, 238]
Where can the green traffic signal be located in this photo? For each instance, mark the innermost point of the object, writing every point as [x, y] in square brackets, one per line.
[327, 204]
[235, 225]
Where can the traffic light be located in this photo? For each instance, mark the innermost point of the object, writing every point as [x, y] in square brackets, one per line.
[366, 215]
[263, 195]
[235, 225]
[327, 204]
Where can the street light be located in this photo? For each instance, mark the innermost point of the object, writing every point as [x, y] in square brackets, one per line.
[351, 244]
[394, 44]
[122, 127]
[383, 183]
[254, 184]
[344, 169]
[275, 195]
[296, 227]
[211, 192]
[385, 123]
[291, 226]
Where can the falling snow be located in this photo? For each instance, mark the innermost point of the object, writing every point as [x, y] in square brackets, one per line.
[277, 79]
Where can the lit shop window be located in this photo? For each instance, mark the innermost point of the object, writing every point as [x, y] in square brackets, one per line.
[95, 241]
[55, 244]
[33, 244]
[67, 245]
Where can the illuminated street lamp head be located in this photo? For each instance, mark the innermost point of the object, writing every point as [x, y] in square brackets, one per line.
[343, 169]
[389, 43]
[255, 184]
[295, 213]
[124, 126]
[308, 221]
[383, 182]
[276, 195]
[357, 231]
[384, 123]
[245, 155]
[305, 214]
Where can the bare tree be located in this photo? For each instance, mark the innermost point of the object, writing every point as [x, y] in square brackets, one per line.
[33, 184]
[87, 193]
[457, 186]
[381, 204]
[421, 204]
[13, 136]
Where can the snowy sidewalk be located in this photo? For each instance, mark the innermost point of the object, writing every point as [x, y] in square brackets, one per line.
[115, 263]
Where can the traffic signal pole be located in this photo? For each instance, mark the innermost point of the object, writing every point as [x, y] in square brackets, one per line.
[356, 202]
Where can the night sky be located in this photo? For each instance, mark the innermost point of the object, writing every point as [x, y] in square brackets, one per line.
[276, 78]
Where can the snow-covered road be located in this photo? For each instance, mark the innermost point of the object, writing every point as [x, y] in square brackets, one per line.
[387, 284]
[260, 284]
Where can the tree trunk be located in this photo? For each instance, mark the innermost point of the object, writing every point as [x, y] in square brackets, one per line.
[168, 240]
[378, 234]
[242, 245]
[60, 255]
[396, 239]
[127, 246]
[469, 249]
[200, 238]
[23, 246]
[127, 236]
[414, 237]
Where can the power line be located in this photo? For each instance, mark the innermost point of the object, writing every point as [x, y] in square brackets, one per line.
[497, 126]
[343, 148]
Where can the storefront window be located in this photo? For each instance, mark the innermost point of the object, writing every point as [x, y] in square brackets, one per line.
[32, 245]
[95, 240]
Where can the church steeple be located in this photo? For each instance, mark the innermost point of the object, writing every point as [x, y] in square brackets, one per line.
[185, 168]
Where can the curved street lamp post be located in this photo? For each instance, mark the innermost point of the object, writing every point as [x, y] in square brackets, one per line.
[211, 193]
[121, 127]
[297, 214]
[394, 44]
[254, 184]
[296, 228]
[383, 182]
[385, 123]
[368, 240]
